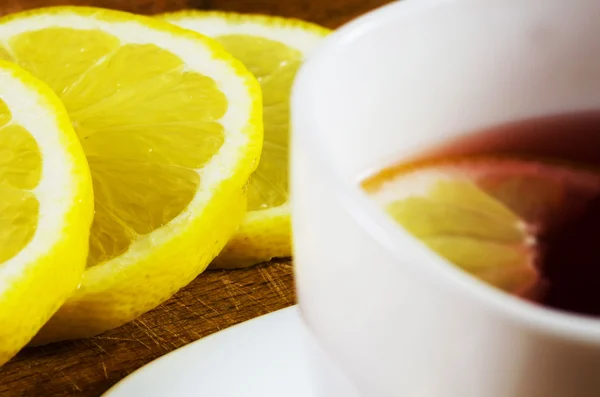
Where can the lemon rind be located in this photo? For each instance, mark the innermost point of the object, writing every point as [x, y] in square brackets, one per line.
[35, 282]
[295, 33]
[244, 249]
[106, 298]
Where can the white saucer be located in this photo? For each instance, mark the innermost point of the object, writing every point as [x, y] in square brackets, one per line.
[262, 357]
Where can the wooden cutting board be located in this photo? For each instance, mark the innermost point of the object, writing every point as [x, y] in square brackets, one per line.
[214, 301]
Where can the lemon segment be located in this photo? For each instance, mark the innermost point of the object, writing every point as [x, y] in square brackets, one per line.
[272, 49]
[37, 52]
[5, 55]
[104, 96]
[46, 207]
[470, 229]
[490, 216]
[19, 211]
[172, 129]
[274, 65]
[20, 159]
[447, 208]
[457, 208]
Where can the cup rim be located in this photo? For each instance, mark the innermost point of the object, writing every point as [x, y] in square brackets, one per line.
[382, 229]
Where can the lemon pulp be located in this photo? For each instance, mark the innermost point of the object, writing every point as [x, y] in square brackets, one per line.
[472, 230]
[46, 207]
[272, 48]
[488, 216]
[20, 172]
[146, 124]
[274, 65]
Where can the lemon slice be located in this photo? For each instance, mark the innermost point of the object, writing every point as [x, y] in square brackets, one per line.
[272, 48]
[46, 207]
[489, 216]
[172, 129]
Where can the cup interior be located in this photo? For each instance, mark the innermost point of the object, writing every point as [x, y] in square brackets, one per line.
[419, 73]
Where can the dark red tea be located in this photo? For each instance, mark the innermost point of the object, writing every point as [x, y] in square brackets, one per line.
[516, 205]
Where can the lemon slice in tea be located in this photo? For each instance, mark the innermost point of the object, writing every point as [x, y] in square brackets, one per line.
[488, 216]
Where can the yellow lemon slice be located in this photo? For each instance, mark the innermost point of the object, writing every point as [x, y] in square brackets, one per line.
[46, 207]
[172, 129]
[489, 216]
[272, 49]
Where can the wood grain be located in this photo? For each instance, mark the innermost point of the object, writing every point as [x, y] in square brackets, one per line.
[214, 301]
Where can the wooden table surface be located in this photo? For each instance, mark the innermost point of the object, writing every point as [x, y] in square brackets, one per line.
[214, 301]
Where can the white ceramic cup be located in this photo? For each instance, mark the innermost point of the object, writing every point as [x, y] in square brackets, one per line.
[393, 318]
